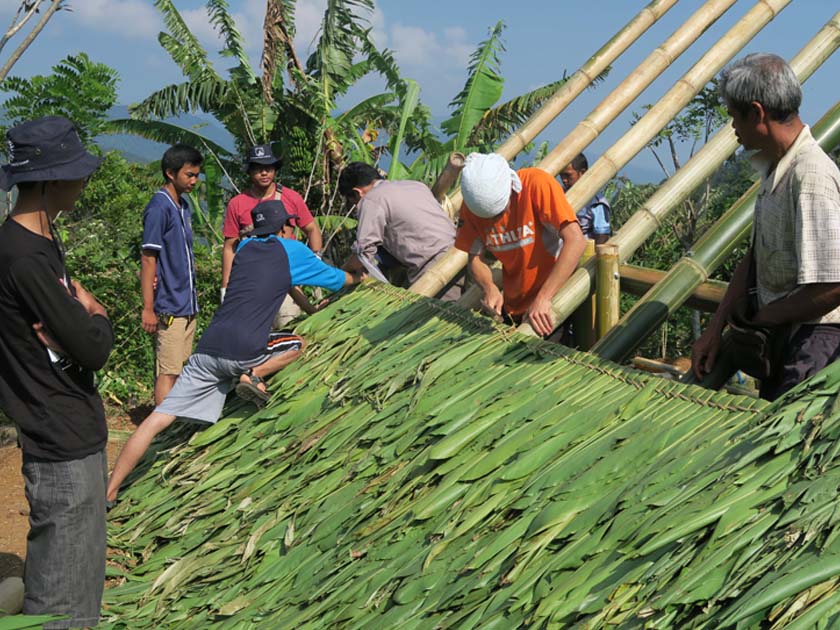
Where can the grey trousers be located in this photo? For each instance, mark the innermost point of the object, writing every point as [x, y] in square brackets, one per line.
[64, 573]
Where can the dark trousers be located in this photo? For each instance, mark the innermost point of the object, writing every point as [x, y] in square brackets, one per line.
[812, 347]
[64, 573]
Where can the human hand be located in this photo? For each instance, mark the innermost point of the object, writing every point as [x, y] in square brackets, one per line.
[46, 339]
[86, 299]
[492, 302]
[540, 317]
[149, 320]
[704, 352]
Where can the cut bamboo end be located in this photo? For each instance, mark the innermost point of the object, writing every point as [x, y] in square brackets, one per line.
[607, 288]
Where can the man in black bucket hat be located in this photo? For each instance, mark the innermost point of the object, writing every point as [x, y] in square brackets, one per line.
[55, 334]
[262, 165]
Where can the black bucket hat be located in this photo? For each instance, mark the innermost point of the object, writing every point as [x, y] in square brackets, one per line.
[269, 217]
[262, 154]
[46, 149]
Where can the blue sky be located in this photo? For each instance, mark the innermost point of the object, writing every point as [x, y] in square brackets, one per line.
[432, 41]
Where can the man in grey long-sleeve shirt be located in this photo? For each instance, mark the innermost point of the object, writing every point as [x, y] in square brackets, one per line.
[399, 221]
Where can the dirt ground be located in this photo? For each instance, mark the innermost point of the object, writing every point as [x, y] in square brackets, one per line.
[14, 512]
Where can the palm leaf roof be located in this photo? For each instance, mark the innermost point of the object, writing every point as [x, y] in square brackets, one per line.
[422, 467]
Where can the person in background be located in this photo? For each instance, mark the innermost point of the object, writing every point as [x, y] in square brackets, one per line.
[523, 219]
[55, 334]
[400, 224]
[167, 269]
[262, 166]
[793, 265]
[238, 348]
[594, 217]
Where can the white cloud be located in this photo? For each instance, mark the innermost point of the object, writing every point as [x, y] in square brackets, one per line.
[308, 16]
[130, 18]
[417, 47]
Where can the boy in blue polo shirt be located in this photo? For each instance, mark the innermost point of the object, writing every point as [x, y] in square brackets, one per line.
[169, 309]
[238, 347]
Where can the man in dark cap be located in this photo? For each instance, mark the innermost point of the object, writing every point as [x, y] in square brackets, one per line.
[238, 348]
[54, 336]
[262, 167]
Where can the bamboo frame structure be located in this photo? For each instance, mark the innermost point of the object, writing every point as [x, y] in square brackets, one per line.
[649, 217]
[431, 282]
[651, 123]
[709, 253]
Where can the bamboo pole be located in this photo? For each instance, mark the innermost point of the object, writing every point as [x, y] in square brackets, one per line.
[638, 281]
[708, 254]
[583, 319]
[454, 166]
[649, 217]
[607, 288]
[431, 282]
[621, 97]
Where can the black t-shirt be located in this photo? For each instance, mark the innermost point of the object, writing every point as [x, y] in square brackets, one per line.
[54, 402]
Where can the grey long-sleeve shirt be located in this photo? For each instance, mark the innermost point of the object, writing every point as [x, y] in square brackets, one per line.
[405, 219]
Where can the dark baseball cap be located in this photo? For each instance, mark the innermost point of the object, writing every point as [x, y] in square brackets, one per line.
[46, 149]
[269, 217]
[262, 154]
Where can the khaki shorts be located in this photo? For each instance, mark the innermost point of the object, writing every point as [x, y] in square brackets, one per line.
[289, 310]
[173, 345]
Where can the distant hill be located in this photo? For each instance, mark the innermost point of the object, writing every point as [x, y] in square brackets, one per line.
[137, 149]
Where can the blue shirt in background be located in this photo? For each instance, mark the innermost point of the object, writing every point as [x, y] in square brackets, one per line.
[167, 230]
[264, 269]
[594, 217]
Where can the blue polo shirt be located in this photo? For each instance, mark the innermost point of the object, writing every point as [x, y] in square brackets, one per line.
[167, 230]
[264, 269]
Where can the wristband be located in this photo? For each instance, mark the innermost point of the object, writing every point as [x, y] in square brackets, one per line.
[222, 293]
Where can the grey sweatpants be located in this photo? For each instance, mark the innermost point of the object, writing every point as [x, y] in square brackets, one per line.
[64, 573]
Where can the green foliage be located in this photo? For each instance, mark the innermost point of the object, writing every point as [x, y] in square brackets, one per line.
[78, 89]
[103, 237]
[483, 88]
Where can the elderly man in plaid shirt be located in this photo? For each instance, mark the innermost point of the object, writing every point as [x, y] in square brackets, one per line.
[795, 252]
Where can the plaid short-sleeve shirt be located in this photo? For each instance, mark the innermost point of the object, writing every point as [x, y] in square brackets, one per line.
[796, 232]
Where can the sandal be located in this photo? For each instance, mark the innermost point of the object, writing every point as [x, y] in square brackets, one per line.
[250, 392]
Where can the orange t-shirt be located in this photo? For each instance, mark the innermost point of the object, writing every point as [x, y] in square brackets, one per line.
[525, 238]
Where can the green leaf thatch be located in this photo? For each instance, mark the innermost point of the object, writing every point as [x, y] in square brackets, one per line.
[422, 468]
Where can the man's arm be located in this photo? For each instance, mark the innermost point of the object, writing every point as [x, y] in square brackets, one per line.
[353, 264]
[808, 302]
[79, 327]
[493, 301]
[148, 271]
[539, 311]
[705, 350]
[300, 299]
[313, 236]
[227, 260]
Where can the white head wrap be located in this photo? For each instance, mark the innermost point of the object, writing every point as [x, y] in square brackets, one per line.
[486, 183]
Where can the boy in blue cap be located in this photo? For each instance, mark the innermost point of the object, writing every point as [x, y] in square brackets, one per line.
[238, 348]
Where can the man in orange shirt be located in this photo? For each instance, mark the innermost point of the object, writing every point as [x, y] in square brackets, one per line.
[523, 219]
